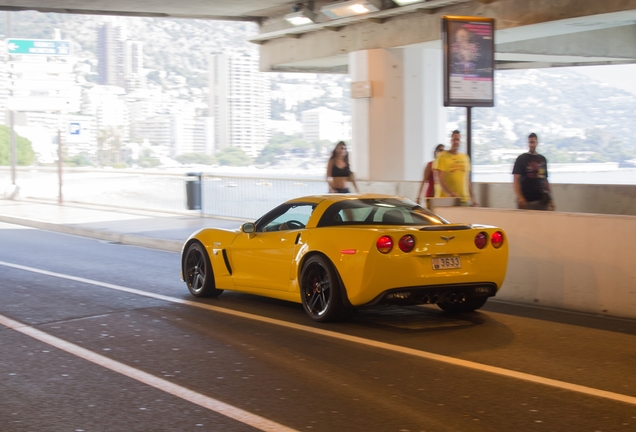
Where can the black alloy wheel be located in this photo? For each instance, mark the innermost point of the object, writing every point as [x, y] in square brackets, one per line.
[320, 290]
[470, 305]
[197, 272]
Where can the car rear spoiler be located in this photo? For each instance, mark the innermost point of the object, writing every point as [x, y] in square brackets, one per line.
[446, 227]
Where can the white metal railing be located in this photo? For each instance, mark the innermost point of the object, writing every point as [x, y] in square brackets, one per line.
[221, 195]
[250, 196]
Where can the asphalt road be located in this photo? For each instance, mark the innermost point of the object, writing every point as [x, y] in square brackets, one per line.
[97, 336]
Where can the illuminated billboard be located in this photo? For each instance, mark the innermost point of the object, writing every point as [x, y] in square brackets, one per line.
[469, 61]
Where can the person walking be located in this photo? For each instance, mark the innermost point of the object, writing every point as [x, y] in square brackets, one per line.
[453, 173]
[339, 170]
[531, 184]
[429, 177]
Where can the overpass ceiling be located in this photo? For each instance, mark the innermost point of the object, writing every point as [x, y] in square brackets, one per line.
[236, 10]
[530, 34]
[537, 33]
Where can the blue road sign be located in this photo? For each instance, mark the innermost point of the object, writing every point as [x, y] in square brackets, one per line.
[47, 47]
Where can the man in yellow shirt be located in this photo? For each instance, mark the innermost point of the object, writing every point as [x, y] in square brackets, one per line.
[453, 173]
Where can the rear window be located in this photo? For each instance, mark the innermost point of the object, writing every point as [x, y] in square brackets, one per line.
[380, 211]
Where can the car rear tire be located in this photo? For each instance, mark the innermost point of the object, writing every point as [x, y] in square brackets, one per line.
[320, 290]
[197, 272]
[470, 305]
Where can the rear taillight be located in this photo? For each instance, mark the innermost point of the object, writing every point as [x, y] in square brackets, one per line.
[406, 243]
[496, 239]
[384, 244]
[481, 240]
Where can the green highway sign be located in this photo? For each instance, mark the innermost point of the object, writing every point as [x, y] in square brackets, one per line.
[47, 47]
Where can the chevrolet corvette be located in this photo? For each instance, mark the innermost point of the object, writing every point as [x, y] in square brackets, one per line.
[334, 253]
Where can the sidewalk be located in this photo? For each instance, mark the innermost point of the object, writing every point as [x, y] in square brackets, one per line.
[151, 229]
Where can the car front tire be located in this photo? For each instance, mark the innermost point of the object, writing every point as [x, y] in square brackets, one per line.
[197, 272]
[320, 290]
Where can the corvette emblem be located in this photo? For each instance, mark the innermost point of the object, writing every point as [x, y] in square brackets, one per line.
[447, 239]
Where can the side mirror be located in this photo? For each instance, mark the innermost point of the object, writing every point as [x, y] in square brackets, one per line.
[248, 227]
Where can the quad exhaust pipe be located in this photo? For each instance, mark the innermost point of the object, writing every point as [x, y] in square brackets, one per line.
[456, 298]
[449, 298]
[430, 299]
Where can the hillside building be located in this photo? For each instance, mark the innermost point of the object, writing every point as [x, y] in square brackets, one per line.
[239, 101]
[108, 105]
[110, 55]
[325, 124]
[181, 134]
[146, 103]
[120, 61]
[133, 65]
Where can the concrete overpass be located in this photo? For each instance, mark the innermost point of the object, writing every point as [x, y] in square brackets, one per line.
[537, 33]
[396, 50]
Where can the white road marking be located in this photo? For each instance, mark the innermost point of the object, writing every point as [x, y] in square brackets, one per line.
[217, 406]
[354, 339]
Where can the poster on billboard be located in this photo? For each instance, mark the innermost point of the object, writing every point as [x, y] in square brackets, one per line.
[469, 61]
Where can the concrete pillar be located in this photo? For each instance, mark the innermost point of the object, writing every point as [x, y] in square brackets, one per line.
[395, 131]
[359, 147]
[434, 115]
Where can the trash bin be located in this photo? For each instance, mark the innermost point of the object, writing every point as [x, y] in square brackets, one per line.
[193, 191]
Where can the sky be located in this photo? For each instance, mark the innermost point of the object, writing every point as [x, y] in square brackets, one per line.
[619, 76]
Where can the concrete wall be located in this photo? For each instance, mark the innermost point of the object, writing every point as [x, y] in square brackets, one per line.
[578, 262]
[578, 198]
[575, 198]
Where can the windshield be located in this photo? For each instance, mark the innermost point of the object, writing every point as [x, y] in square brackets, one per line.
[379, 211]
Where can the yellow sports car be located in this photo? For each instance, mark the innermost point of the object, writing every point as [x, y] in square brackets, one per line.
[334, 253]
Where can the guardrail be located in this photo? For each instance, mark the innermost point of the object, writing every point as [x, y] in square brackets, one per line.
[221, 195]
[249, 196]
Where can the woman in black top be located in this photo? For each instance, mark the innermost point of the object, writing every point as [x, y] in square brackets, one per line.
[339, 170]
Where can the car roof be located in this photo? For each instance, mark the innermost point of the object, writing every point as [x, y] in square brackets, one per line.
[333, 198]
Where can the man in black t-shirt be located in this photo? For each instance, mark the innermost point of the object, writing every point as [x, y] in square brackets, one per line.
[531, 179]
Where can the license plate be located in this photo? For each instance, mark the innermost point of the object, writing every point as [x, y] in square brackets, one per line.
[446, 263]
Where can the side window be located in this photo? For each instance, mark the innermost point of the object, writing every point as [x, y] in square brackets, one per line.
[359, 214]
[296, 217]
[378, 211]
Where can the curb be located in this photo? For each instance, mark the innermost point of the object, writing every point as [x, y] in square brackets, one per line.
[128, 239]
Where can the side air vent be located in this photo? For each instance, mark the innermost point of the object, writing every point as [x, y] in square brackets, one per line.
[227, 262]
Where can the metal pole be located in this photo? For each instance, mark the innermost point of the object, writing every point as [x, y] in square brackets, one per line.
[201, 193]
[59, 157]
[469, 136]
[60, 154]
[12, 145]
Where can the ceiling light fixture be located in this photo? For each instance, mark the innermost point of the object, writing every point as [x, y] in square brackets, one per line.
[407, 2]
[302, 17]
[350, 8]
